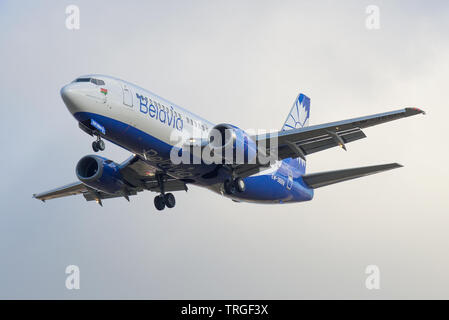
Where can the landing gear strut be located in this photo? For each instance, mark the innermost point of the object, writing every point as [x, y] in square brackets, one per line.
[233, 186]
[164, 199]
[98, 145]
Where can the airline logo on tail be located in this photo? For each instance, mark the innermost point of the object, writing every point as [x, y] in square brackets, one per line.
[298, 118]
[299, 114]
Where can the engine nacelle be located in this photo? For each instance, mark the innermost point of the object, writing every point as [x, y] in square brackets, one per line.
[100, 173]
[233, 144]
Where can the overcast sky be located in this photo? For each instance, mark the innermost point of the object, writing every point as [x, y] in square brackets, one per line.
[241, 62]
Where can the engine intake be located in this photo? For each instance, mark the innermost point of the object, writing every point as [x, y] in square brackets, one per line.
[233, 144]
[100, 173]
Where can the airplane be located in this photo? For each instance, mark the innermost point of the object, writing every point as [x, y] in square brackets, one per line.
[144, 123]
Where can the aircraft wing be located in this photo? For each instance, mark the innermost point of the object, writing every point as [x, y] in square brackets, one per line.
[64, 191]
[304, 141]
[138, 175]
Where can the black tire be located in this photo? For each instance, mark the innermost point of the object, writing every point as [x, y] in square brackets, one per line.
[229, 187]
[159, 202]
[239, 185]
[101, 146]
[95, 146]
[169, 200]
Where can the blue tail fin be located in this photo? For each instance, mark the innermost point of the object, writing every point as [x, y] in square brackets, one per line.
[297, 118]
[299, 114]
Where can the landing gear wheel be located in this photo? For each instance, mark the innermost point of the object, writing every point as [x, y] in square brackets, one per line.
[159, 202]
[239, 185]
[95, 146]
[98, 145]
[169, 200]
[229, 187]
[101, 146]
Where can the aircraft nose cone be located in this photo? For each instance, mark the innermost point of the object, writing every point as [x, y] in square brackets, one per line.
[67, 92]
[69, 95]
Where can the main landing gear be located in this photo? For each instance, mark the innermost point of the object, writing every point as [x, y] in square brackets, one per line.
[164, 199]
[233, 186]
[98, 145]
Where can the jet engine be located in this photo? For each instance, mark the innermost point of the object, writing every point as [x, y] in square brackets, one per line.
[100, 173]
[232, 144]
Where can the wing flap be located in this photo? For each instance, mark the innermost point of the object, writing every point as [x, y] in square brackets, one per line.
[321, 179]
[169, 185]
[321, 142]
[94, 195]
[327, 142]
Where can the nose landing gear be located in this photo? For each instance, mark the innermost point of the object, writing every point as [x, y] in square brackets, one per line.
[98, 145]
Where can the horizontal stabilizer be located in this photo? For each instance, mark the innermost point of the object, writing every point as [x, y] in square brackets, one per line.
[321, 179]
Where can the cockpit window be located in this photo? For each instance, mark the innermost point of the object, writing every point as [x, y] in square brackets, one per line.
[82, 80]
[98, 82]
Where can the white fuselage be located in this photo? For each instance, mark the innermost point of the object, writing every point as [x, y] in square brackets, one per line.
[150, 126]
